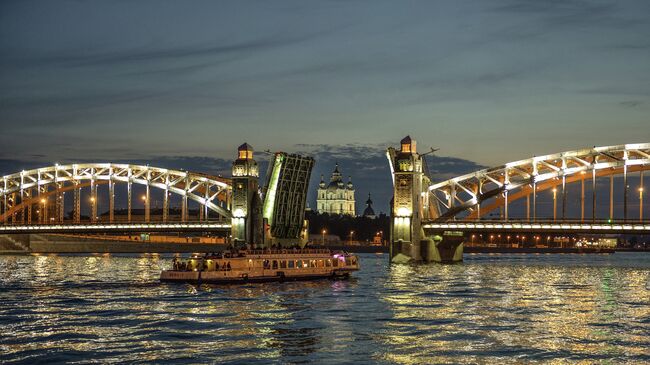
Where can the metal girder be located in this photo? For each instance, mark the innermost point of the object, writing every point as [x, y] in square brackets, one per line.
[201, 188]
[533, 171]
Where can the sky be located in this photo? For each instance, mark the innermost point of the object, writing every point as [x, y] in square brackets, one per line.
[183, 83]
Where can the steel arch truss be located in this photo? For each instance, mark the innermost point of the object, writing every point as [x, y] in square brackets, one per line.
[204, 189]
[468, 191]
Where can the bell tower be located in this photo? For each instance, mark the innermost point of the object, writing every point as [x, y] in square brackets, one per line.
[246, 206]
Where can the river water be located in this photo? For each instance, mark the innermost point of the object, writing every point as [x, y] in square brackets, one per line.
[490, 309]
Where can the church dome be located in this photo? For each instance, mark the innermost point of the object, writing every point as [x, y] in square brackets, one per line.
[333, 185]
[369, 212]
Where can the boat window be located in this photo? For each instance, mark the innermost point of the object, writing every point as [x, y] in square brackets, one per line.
[328, 263]
[275, 264]
[299, 264]
[291, 264]
[283, 264]
[335, 262]
[353, 261]
[320, 263]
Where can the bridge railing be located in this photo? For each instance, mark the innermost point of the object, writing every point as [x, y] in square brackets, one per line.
[543, 221]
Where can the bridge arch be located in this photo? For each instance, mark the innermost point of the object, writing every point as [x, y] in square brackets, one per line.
[519, 179]
[17, 190]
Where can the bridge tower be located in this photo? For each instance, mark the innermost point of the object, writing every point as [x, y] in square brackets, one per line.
[406, 231]
[246, 203]
[411, 204]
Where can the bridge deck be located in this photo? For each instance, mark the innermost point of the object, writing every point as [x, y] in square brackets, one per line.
[116, 227]
[550, 227]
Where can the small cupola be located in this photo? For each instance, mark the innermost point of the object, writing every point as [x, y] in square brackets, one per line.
[245, 152]
[407, 145]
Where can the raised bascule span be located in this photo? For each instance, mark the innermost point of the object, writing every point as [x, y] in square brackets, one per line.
[430, 220]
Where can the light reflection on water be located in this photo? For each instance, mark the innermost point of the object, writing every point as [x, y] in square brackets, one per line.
[490, 309]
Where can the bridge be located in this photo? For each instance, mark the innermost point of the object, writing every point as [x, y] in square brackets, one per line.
[430, 220]
[35, 201]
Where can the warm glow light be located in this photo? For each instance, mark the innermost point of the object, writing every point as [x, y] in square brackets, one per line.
[43, 201]
[403, 212]
[144, 198]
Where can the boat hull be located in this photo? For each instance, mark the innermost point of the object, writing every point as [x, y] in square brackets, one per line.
[214, 278]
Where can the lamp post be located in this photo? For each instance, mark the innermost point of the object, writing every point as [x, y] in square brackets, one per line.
[323, 232]
[351, 234]
[145, 203]
[92, 209]
[554, 204]
[641, 203]
[43, 215]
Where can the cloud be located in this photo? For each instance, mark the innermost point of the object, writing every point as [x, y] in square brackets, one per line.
[632, 103]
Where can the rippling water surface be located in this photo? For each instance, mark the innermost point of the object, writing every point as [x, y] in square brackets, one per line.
[489, 309]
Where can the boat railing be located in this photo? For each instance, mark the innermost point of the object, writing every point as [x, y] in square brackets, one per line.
[287, 251]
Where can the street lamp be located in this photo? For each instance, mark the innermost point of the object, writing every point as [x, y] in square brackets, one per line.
[323, 232]
[43, 216]
[554, 204]
[351, 234]
[641, 203]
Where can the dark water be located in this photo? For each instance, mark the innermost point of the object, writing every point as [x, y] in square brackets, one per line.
[490, 309]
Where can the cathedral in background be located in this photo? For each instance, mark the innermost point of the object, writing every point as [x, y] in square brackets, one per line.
[337, 197]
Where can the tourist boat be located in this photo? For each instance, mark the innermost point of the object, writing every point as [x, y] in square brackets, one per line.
[261, 266]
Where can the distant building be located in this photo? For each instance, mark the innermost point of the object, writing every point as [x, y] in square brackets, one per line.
[336, 197]
[369, 212]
